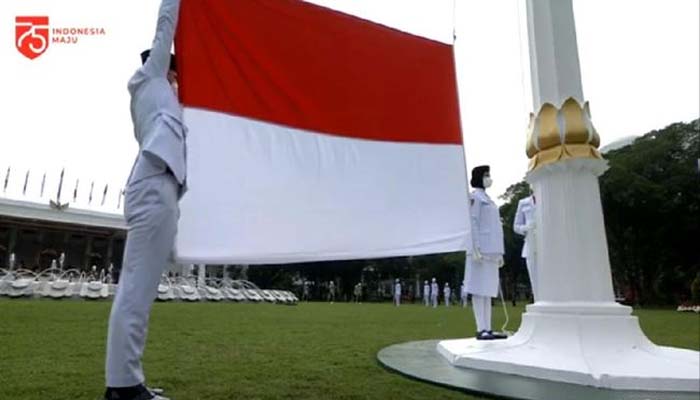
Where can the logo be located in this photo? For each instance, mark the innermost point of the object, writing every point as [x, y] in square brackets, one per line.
[32, 36]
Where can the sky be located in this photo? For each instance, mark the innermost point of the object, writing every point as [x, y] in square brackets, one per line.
[69, 108]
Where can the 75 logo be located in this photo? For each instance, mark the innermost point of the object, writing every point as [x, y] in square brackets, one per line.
[32, 36]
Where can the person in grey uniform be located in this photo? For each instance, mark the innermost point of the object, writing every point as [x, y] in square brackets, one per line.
[151, 210]
[485, 255]
[524, 224]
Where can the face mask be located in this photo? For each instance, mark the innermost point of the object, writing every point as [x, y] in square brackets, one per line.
[487, 182]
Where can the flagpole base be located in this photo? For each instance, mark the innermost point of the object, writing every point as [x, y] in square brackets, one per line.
[599, 345]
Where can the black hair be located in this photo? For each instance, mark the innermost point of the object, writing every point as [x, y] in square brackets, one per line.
[478, 173]
[146, 53]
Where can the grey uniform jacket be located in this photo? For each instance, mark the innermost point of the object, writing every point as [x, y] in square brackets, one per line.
[155, 109]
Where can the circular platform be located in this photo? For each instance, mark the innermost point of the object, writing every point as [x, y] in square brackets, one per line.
[420, 360]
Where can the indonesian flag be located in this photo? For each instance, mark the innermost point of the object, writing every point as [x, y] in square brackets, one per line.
[315, 135]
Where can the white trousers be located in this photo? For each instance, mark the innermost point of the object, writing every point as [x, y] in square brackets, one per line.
[434, 300]
[482, 312]
[397, 299]
[151, 212]
[532, 271]
[426, 300]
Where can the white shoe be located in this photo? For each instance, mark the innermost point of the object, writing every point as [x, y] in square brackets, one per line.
[157, 393]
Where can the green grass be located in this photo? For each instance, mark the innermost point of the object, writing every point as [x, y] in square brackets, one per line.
[55, 350]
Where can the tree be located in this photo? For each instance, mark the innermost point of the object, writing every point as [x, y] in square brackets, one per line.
[651, 204]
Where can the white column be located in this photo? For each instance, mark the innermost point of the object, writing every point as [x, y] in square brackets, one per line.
[554, 63]
[572, 252]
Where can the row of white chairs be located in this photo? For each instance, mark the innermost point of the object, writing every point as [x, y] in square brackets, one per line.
[59, 284]
[188, 289]
[54, 283]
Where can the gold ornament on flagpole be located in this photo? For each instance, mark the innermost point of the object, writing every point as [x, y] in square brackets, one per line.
[557, 134]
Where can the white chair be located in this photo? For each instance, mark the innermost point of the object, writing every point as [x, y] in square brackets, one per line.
[267, 296]
[21, 284]
[185, 290]
[166, 291]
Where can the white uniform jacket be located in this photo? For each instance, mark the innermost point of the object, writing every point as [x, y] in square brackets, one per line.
[487, 231]
[525, 221]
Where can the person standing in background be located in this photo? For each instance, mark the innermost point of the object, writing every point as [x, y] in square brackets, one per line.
[397, 293]
[331, 292]
[426, 293]
[524, 225]
[447, 293]
[434, 292]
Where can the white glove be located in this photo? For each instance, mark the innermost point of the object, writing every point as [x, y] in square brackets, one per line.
[529, 227]
[477, 255]
[501, 263]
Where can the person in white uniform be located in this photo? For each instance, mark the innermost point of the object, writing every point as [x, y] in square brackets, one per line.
[463, 294]
[397, 293]
[485, 255]
[524, 224]
[434, 291]
[331, 291]
[156, 182]
[305, 291]
[447, 292]
[426, 293]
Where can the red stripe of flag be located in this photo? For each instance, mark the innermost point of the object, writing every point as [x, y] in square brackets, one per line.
[304, 66]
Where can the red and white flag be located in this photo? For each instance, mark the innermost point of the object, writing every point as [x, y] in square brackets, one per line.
[315, 135]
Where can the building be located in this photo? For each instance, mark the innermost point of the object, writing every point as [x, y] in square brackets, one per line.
[38, 229]
[38, 234]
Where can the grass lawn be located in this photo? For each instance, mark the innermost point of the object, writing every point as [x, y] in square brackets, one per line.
[55, 349]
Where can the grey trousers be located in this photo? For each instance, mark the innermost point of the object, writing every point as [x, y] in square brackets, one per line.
[151, 211]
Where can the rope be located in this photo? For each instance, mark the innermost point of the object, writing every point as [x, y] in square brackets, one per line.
[505, 311]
